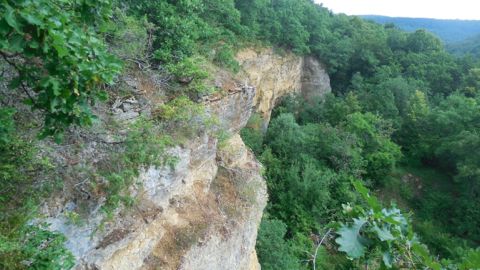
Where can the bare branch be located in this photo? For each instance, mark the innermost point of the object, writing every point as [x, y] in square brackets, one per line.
[318, 246]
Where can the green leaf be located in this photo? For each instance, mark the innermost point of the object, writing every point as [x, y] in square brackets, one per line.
[53, 104]
[34, 44]
[387, 259]
[383, 233]
[55, 86]
[350, 240]
[59, 44]
[471, 260]
[102, 96]
[371, 201]
[11, 20]
[4, 27]
[394, 216]
[423, 253]
[30, 18]
[17, 43]
[70, 58]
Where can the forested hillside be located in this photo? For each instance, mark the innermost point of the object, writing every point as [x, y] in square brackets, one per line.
[402, 124]
[450, 31]
[469, 46]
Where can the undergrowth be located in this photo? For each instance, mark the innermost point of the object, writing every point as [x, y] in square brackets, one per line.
[24, 245]
[144, 146]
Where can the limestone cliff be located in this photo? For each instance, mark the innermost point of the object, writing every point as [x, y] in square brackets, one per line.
[204, 212]
[275, 75]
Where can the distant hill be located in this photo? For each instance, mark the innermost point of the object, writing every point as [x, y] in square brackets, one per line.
[450, 31]
[468, 46]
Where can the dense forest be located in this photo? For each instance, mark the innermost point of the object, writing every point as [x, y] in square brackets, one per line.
[383, 173]
[459, 36]
[468, 46]
[450, 31]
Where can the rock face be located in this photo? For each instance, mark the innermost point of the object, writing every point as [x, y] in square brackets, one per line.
[203, 213]
[276, 75]
[315, 80]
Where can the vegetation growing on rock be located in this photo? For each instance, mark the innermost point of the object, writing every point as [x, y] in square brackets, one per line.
[400, 101]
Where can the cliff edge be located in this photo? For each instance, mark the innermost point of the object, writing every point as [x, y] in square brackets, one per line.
[204, 211]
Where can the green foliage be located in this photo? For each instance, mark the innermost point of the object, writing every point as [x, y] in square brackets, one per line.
[184, 116]
[444, 137]
[191, 71]
[471, 260]
[184, 29]
[6, 124]
[129, 38]
[252, 134]
[225, 57]
[59, 59]
[376, 236]
[144, 146]
[450, 31]
[467, 46]
[310, 165]
[423, 41]
[23, 245]
[273, 251]
[392, 90]
[34, 247]
[439, 241]
[350, 241]
[381, 153]
[188, 70]
[299, 26]
[384, 232]
[19, 165]
[178, 26]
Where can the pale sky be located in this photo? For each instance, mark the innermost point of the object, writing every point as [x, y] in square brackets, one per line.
[440, 9]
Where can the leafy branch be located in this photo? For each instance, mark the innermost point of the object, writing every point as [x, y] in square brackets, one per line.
[54, 49]
[385, 230]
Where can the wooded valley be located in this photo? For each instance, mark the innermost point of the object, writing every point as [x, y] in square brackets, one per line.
[383, 173]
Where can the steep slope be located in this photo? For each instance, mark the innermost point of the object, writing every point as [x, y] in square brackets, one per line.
[201, 213]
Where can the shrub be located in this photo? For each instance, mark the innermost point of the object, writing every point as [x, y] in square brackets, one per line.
[252, 134]
[273, 251]
[129, 38]
[144, 146]
[225, 57]
[33, 247]
[192, 74]
[180, 110]
[22, 186]
[6, 124]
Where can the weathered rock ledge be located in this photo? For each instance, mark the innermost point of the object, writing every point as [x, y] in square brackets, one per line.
[276, 75]
[204, 212]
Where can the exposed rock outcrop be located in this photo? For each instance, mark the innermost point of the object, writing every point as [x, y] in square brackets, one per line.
[204, 212]
[276, 75]
[201, 214]
[315, 80]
